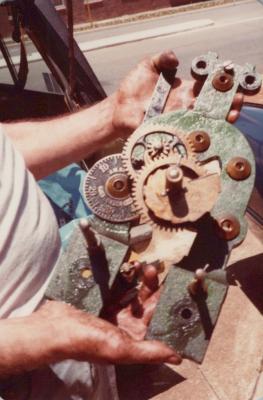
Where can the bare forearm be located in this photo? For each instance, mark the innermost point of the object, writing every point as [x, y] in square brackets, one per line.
[52, 144]
[27, 343]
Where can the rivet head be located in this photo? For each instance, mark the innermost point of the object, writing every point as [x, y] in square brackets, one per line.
[200, 141]
[228, 227]
[223, 81]
[238, 168]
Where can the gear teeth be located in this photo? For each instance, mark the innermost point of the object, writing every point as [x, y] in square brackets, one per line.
[140, 133]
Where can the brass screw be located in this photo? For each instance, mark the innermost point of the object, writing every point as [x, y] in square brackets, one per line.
[223, 81]
[229, 227]
[200, 141]
[238, 168]
[117, 186]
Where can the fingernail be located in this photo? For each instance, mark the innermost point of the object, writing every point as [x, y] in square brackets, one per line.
[176, 360]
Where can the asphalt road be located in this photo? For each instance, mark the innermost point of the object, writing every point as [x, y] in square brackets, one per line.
[237, 34]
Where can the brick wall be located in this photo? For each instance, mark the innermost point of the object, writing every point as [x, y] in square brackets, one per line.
[115, 8]
[5, 28]
[102, 9]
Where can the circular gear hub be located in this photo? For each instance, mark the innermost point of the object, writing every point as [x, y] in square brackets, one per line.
[174, 191]
[107, 190]
[151, 143]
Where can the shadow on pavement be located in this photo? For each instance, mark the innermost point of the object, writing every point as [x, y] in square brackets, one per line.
[248, 274]
[141, 382]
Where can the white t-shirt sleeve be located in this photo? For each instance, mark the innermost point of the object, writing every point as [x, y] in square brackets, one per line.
[29, 236]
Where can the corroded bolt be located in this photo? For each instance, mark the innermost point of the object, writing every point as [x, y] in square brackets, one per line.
[223, 81]
[174, 178]
[238, 168]
[200, 140]
[117, 186]
[128, 270]
[229, 227]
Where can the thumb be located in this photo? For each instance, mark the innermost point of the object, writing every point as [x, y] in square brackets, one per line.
[165, 61]
[153, 352]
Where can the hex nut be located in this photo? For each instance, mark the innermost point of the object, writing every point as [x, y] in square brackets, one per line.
[223, 81]
[199, 140]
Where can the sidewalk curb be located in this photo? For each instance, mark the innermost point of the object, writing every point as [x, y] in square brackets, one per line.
[147, 15]
[127, 38]
[146, 34]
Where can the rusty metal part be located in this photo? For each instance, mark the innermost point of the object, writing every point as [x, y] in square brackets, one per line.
[198, 195]
[152, 142]
[198, 283]
[117, 186]
[200, 141]
[107, 192]
[158, 149]
[128, 271]
[174, 179]
[238, 168]
[223, 81]
[228, 227]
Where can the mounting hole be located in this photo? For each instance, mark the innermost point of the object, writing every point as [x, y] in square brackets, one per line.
[250, 79]
[223, 78]
[186, 313]
[240, 166]
[199, 138]
[227, 225]
[201, 64]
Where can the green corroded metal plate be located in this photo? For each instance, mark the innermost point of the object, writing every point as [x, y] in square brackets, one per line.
[183, 322]
[85, 281]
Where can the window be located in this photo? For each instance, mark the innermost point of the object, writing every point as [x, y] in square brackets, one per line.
[59, 4]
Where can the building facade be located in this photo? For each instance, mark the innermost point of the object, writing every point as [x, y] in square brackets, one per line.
[95, 10]
[104, 9]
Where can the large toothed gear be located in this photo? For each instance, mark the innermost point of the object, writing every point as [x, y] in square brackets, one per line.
[151, 143]
[174, 191]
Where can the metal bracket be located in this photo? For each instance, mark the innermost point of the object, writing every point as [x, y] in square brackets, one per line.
[223, 79]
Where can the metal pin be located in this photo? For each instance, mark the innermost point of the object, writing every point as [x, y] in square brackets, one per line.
[199, 281]
[92, 239]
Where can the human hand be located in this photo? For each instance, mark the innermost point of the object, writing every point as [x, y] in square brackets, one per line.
[135, 315]
[84, 337]
[134, 94]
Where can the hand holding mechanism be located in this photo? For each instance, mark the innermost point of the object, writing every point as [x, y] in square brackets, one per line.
[170, 198]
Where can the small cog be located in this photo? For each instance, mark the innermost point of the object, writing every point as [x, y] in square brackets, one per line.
[153, 142]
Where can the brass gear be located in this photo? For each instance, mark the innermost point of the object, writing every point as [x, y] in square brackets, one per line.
[153, 204]
[173, 142]
[107, 190]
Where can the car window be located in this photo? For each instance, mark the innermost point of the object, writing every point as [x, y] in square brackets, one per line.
[250, 123]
